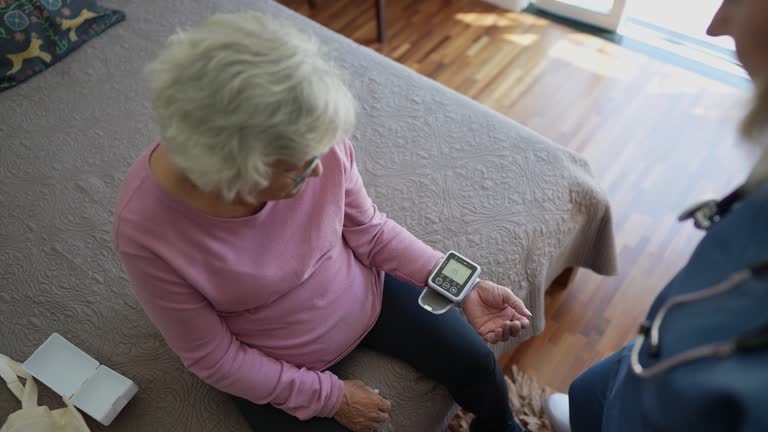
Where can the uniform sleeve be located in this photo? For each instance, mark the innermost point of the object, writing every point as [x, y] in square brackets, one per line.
[376, 240]
[196, 333]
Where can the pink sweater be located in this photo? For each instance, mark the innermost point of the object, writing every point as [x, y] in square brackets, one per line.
[260, 306]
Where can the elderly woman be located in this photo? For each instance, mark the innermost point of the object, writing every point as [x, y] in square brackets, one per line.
[700, 362]
[254, 248]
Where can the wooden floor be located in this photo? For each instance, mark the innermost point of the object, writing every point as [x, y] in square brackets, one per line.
[658, 138]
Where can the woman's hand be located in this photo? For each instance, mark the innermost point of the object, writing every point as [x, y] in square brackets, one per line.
[495, 312]
[362, 409]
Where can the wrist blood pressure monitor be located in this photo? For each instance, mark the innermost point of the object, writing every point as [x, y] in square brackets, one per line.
[450, 283]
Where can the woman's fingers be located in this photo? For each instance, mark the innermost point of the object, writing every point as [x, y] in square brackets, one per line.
[522, 310]
[515, 303]
[373, 421]
[495, 331]
[385, 406]
[515, 328]
[499, 329]
[524, 322]
[380, 417]
[490, 337]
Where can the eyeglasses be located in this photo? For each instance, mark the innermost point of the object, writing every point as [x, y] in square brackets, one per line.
[299, 181]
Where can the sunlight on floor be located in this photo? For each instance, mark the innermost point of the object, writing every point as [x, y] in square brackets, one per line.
[595, 61]
[523, 39]
[676, 84]
[715, 114]
[495, 19]
[600, 57]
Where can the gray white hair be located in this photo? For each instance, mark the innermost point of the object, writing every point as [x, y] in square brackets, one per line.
[755, 127]
[241, 91]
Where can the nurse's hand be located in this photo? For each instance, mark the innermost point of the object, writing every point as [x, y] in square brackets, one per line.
[362, 409]
[495, 312]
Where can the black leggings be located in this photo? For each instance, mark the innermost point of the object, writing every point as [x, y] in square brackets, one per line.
[443, 347]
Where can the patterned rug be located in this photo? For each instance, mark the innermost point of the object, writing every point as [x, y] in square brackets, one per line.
[526, 397]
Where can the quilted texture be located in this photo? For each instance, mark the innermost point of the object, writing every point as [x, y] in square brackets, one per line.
[35, 34]
[455, 173]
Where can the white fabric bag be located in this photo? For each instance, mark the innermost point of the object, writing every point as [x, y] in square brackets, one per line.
[33, 418]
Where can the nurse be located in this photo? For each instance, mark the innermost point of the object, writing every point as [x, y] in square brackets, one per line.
[700, 361]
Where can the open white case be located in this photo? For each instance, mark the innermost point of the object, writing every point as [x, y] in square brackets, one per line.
[95, 389]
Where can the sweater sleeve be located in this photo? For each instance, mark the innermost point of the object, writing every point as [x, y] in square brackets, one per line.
[376, 240]
[196, 333]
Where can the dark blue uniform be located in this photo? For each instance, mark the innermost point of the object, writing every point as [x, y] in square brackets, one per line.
[712, 394]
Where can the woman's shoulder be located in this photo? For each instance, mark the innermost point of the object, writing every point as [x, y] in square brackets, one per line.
[339, 160]
[139, 212]
[736, 242]
[740, 238]
[342, 154]
[135, 178]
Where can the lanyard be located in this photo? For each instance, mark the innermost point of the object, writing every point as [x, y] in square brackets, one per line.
[752, 340]
[707, 213]
[704, 215]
